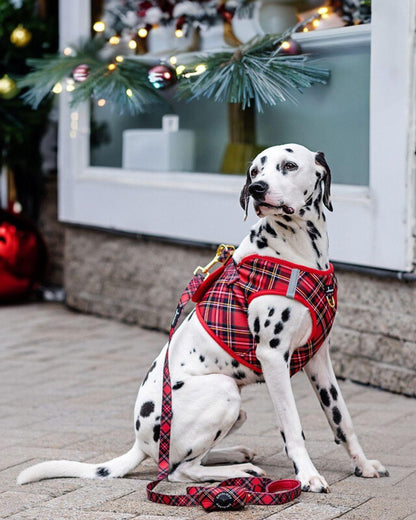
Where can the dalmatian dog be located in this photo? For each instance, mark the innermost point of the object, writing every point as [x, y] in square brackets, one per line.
[289, 186]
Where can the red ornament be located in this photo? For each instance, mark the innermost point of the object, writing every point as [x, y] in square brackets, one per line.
[162, 76]
[81, 73]
[290, 48]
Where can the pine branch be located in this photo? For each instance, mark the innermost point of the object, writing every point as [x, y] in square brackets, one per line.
[128, 77]
[256, 73]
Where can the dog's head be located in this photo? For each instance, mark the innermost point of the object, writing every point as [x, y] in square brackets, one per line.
[287, 179]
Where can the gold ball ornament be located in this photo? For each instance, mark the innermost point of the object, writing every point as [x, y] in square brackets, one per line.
[20, 36]
[8, 88]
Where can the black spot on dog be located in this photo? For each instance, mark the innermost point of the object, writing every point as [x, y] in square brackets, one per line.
[275, 342]
[217, 435]
[148, 372]
[336, 415]
[278, 327]
[295, 468]
[341, 435]
[286, 314]
[278, 167]
[337, 441]
[256, 338]
[334, 392]
[156, 432]
[256, 325]
[235, 363]
[270, 230]
[239, 375]
[174, 467]
[252, 235]
[301, 212]
[102, 472]
[286, 356]
[358, 472]
[282, 433]
[267, 323]
[289, 150]
[303, 436]
[147, 408]
[262, 243]
[177, 385]
[201, 358]
[263, 159]
[188, 453]
[138, 424]
[313, 378]
[313, 229]
[323, 393]
[252, 472]
[271, 312]
[287, 218]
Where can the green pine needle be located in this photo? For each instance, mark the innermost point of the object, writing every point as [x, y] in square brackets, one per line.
[130, 75]
[255, 73]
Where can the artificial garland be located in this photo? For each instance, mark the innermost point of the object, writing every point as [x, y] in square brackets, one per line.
[260, 72]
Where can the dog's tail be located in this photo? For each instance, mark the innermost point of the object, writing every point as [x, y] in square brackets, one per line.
[117, 467]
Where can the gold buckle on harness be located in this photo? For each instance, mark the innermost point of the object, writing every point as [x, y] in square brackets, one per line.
[331, 301]
[221, 249]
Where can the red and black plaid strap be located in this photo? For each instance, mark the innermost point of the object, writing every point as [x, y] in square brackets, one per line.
[233, 493]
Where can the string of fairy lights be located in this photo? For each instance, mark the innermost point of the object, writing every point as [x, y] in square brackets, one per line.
[170, 70]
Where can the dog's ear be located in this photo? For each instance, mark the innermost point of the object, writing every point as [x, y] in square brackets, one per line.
[245, 195]
[320, 159]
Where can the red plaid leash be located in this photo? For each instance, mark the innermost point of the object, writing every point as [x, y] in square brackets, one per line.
[232, 493]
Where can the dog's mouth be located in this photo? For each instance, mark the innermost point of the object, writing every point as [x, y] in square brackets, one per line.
[286, 209]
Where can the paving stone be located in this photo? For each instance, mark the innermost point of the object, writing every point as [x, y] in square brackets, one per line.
[12, 502]
[308, 511]
[69, 514]
[82, 376]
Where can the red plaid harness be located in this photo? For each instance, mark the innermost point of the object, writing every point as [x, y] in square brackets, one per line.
[223, 299]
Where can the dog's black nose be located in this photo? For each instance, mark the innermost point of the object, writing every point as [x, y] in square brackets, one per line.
[258, 189]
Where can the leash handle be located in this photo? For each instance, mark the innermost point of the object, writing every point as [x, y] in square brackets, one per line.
[232, 494]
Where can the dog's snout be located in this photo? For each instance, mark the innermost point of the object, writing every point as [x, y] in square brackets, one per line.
[258, 189]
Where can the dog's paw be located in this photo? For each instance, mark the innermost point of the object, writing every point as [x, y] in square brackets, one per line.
[371, 469]
[314, 484]
[243, 454]
[250, 470]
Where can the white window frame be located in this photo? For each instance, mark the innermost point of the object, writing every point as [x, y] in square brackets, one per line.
[371, 226]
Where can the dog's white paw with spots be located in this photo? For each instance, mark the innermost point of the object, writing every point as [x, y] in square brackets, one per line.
[371, 469]
[314, 484]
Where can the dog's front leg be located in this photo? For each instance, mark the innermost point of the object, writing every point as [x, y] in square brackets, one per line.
[275, 327]
[321, 375]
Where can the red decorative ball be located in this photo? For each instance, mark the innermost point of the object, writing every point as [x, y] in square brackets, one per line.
[81, 73]
[290, 48]
[162, 76]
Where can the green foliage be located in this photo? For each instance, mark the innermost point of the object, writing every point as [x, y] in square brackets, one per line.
[111, 85]
[255, 73]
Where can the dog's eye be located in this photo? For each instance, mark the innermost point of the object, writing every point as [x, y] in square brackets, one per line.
[254, 171]
[291, 166]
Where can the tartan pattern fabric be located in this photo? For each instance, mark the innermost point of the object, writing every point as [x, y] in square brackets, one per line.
[248, 490]
[222, 309]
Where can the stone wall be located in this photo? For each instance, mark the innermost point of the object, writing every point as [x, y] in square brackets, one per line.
[53, 232]
[139, 281]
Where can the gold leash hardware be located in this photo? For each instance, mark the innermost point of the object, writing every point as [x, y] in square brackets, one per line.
[331, 301]
[221, 248]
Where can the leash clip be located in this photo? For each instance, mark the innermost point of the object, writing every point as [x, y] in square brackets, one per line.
[224, 252]
[329, 292]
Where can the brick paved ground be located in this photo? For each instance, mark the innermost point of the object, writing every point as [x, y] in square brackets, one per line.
[67, 388]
